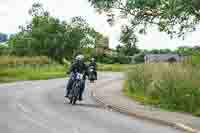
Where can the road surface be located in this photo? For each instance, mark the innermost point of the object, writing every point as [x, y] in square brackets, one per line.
[38, 107]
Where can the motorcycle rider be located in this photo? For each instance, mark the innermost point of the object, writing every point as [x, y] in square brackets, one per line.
[80, 67]
[94, 65]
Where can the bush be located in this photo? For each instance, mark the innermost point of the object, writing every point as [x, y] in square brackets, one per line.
[139, 58]
[108, 59]
[196, 59]
[121, 59]
[4, 50]
[175, 86]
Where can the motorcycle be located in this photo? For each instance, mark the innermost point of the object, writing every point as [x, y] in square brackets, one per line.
[76, 87]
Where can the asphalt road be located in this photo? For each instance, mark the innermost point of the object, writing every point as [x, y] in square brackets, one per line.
[39, 107]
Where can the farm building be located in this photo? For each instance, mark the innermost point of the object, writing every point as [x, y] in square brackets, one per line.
[152, 58]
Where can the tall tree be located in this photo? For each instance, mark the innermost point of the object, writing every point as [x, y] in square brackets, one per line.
[101, 44]
[49, 36]
[129, 39]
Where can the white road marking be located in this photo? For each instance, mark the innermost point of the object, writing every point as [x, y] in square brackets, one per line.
[36, 122]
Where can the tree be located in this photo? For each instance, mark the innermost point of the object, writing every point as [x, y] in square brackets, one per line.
[48, 36]
[127, 50]
[101, 41]
[160, 51]
[139, 58]
[38, 10]
[129, 39]
[119, 48]
[165, 51]
[101, 44]
[175, 17]
[184, 50]
[154, 51]
[4, 50]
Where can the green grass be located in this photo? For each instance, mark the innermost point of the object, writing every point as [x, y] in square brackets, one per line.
[39, 68]
[139, 96]
[114, 67]
[31, 72]
[15, 68]
[10, 73]
[172, 87]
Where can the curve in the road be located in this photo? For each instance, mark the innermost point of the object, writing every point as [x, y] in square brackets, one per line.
[39, 106]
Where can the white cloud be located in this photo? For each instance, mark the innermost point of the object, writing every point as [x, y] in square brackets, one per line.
[15, 12]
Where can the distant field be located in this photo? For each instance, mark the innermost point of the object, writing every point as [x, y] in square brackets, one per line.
[36, 68]
[29, 68]
[115, 67]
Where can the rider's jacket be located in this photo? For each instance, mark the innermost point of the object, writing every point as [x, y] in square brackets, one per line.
[80, 67]
[93, 64]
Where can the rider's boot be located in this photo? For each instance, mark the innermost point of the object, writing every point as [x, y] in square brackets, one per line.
[80, 98]
[67, 94]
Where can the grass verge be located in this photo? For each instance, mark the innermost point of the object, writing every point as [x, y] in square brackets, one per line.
[31, 72]
[139, 97]
[174, 87]
[114, 67]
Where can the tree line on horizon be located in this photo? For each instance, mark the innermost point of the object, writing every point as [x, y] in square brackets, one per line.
[48, 36]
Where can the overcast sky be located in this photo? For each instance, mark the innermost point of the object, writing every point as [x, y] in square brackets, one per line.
[15, 12]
